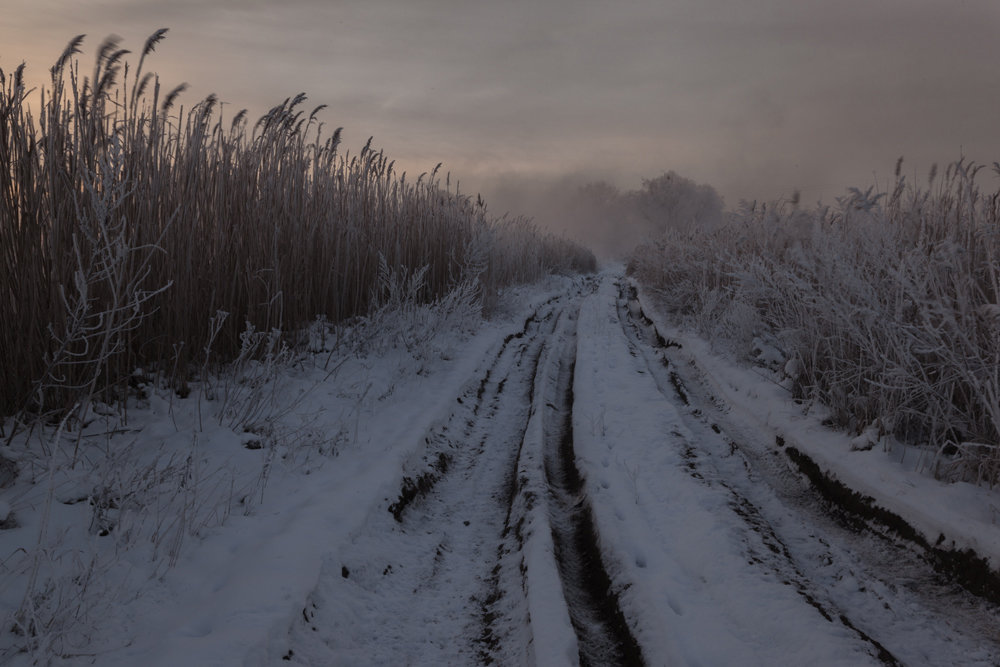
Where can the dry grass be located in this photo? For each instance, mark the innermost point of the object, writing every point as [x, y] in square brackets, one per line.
[888, 304]
[127, 222]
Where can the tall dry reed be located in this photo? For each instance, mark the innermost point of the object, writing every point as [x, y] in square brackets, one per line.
[128, 221]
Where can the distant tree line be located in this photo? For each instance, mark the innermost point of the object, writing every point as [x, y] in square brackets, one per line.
[614, 221]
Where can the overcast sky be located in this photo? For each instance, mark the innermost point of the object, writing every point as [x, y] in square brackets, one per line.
[755, 97]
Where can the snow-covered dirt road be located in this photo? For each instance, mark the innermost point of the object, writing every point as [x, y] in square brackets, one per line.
[587, 499]
[487, 555]
[572, 483]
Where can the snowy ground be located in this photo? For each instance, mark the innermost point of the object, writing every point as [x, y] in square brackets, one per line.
[570, 484]
[738, 560]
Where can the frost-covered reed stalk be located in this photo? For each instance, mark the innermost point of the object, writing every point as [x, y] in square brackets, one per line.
[888, 303]
[268, 221]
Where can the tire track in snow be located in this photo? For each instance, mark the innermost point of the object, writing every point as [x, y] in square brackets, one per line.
[892, 580]
[550, 546]
[497, 612]
[421, 483]
[774, 554]
[603, 635]
[415, 584]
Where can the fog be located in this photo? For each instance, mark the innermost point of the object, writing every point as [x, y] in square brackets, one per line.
[609, 219]
[759, 98]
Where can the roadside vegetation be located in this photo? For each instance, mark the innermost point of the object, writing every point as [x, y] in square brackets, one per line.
[884, 308]
[137, 233]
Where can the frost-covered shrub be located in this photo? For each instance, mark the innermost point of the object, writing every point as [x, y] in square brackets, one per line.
[885, 303]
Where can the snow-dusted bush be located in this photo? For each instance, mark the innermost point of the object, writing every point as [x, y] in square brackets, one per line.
[672, 202]
[884, 306]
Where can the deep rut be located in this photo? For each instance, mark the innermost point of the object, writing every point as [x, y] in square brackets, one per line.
[545, 477]
[441, 577]
[603, 635]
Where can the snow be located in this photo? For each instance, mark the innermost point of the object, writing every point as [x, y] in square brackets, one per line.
[236, 584]
[288, 552]
[549, 618]
[699, 601]
[964, 514]
[259, 576]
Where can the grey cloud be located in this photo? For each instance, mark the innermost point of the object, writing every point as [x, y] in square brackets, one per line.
[757, 97]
